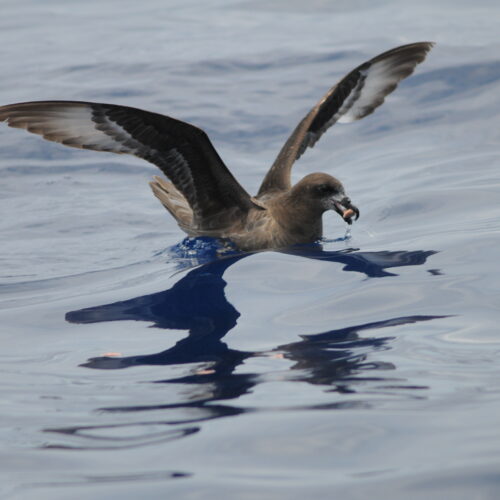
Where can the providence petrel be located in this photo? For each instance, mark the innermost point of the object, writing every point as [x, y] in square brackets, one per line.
[202, 194]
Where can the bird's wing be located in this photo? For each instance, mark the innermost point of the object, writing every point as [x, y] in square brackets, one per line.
[357, 95]
[183, 152]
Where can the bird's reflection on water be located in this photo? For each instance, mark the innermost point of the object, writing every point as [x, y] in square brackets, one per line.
[341, 360]
[197, 303]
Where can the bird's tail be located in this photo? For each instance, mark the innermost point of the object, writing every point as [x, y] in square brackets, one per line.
[174, 202]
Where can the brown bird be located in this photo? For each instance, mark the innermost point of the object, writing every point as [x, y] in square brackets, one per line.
[202, 195]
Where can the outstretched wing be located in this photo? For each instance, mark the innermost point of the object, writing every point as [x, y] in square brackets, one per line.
[183, 152]
[357, 95]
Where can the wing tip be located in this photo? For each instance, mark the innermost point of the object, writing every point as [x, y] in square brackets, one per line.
[414, 52]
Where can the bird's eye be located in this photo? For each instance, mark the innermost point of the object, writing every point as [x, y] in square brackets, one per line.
[324, 190]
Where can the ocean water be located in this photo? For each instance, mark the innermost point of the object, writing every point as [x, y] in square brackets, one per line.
[138, 365]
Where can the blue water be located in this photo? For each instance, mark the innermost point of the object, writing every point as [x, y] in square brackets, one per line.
[138, 365]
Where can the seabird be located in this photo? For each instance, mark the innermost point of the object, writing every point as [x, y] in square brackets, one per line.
[202, 195]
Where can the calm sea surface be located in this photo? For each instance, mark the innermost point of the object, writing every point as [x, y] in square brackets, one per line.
[138, 366]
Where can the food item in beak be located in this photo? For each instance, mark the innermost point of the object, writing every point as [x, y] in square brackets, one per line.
[348, 214]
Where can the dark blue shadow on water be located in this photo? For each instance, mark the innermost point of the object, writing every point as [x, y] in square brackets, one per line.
[197, 303]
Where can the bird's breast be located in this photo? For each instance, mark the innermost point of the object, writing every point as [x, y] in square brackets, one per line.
[269, 229]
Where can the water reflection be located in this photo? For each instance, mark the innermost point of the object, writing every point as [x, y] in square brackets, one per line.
[107, 437]
[197, 303]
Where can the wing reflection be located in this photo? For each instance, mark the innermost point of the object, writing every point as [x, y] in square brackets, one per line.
[197, 303]
[373, 264]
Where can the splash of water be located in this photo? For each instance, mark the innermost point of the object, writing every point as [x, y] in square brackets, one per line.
[192, 252]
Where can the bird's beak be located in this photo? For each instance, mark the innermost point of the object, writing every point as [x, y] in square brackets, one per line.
[346, 209]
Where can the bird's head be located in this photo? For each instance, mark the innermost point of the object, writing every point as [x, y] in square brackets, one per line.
[322, 192]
